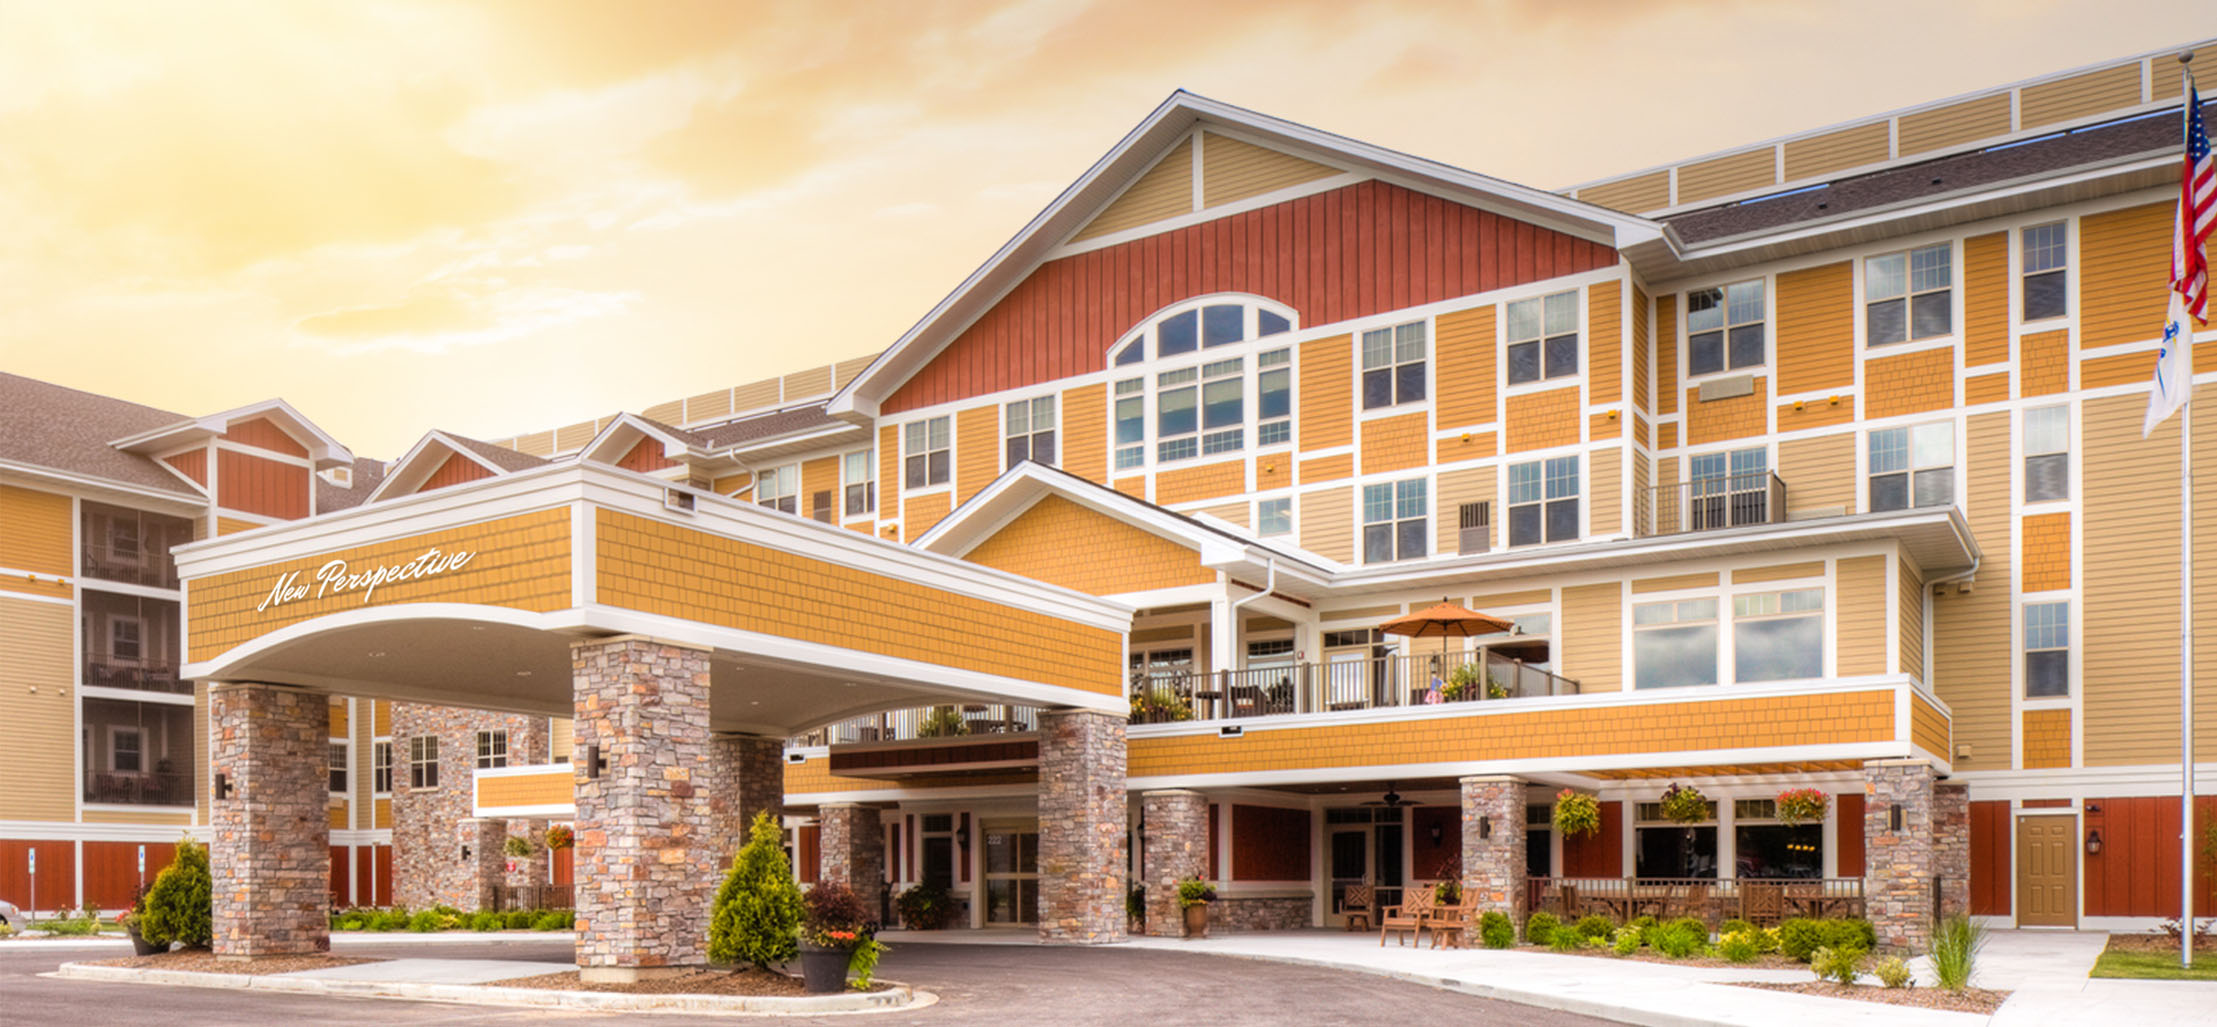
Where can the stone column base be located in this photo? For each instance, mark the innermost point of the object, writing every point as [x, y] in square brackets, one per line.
[270, 836]
[1493, 842]
[1084, 828]
[1174, 837]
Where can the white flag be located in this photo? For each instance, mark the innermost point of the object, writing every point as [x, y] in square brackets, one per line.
[2174, 366]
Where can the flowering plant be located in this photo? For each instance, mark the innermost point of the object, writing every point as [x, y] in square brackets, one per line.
[1195, 892]
[1802, 805]
[1159, 706]
[560, 837]
[1577, 813]
[1686, 805]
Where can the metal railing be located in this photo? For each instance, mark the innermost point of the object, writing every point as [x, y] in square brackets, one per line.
[925, 722]
[1356, 683]
[144, 675]
[506, 897]
[1706, 504]
[140, 565]
[1760, 901]
[138, 788]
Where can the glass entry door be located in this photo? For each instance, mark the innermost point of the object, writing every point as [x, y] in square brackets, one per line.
[1350, 857]
[1011, 874]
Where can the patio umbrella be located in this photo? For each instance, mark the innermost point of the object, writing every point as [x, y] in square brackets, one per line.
[1444, 621]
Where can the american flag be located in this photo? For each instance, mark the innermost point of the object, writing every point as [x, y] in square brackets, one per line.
[2197, 214]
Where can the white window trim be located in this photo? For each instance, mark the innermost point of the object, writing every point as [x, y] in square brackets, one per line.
[1293, 516]
[1686, 377]
[116, 620]
[1865, 349]
[1544, 384]
[953, 455]
[137, 731]
[1031, 402]
[1541, 457]
[1912, 422]
[390, 770]
[2017, 273]
[347, 767]
[1430, 515]
[870, 461]
[1430, 361]
[1149, 369]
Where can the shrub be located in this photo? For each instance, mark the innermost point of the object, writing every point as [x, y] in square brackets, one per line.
[758, 909]
[519, 846]
[1892, 972]
[1686, 805]
[926, 907]
[1447, 892]
[1195, 892]
[942, 722]
[518, 919]
[554, 920]
[1955, 946]
[1850, 933]
[1766, 939]
[1565, 939]
[863, 961]
[86, 922]
[1594, 925]
[1678, 941]
[1693, 925]
[427, 921]
[487, 921]
[395, 919]
[1739, 947]
[1626, 941]
[1798, 938]
[1734, 926]
[832, 907]
[1802, 806]
[1539, 928]
[1839, 965]
[179, 907]
[1642, 923]
[1496, 930]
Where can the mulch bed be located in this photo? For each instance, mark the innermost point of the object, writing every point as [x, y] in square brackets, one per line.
[1969, 1000]
[1767, 961]
[749, 981]
[2158, 943]
[201, 961]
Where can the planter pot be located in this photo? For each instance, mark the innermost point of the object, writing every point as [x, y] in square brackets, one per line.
[823, 970]
[141, 946]
[1197, 920]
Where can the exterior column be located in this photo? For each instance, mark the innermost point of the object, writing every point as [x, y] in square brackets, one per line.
[270, 849]
[1084, 825]
[529, 875]
[645, 873]
[433, 824]
[1174, 845]
[746, 776]
[1493, 843]
[851, 847]
[1951, 839]
[1899, 862]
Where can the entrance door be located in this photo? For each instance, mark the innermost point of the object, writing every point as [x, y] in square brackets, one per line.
[1350, 851]
[1011, 875]
[2047, 871]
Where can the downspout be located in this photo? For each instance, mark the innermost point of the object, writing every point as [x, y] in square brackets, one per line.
[1978, 556]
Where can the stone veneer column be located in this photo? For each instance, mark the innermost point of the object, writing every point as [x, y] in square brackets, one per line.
[1084, 825]
[645, 872]
[851, 850]
[1493, 843]
[270, 848]
[746, 775]
[1952, 845]
[1898, 865]
[484, 854]
[531, 874]
[1174, 845]
[429, 828]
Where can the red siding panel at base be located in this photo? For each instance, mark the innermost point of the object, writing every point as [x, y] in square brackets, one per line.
[1847, 834]
[56, 880]
[1428, 861]
[1992, 860]
[2137, 871]
[1270, 843]
[1599, 855]
[1215, 872]
[563, 864]
[342, 876]
[112, 870]
[811, 852]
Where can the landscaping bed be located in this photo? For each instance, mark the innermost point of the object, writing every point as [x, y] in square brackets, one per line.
[749, 981]
[1969, 1000]
[201, 961]
[2156, 957]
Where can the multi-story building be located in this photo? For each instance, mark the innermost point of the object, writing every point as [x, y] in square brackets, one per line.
[1815, 464]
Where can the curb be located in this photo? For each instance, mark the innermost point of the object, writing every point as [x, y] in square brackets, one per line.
[899, 997]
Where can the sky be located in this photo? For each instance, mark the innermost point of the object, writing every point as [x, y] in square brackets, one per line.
[503, 216]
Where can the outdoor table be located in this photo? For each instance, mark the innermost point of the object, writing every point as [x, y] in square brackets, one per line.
[1209, 696]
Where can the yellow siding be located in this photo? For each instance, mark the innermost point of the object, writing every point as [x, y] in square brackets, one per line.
[2126, 261]
[1666, 355]
[1327, 524]
[1085, 432]
[1465, 345]
[2047, 552]
[540, 444]
[1986, 299]
[1233, 512]
[1394, 443]
[1543, 420]
[669, 570]
[1605, 495]
[1673, 582]
[671, 413]
[754, 396]
[1862, 616]
[1042, 543]
[1635, 195]
[1928, 727]
[924, 511]
[846, 370]
[1327, 393]
[2105, 89]
[1819, 472]
[1208, 481]
[381, 718]
[1979, 118]
[1498, 600]
[1970, 655]
[1816, 329]
[553, 788]
[1327, 468]
[384, 815]
[39, 707]
[1909, 384]
[572, 437]
[1164, 191]
[1720, 420]
[815, 381]
[1470, 485]
[1822, 412]
[2130, 587]
[1470, 445]
[820, 476]
[337, 717]
[1591, 630]
[2044, 359]
[1731, 173]
[1232, 170]
[1779, 572]
[889, 474]
[560, 735]
[1835, 151]
[1985, 388]
[1605, 342]
[35, 532]
[2163, 83]
[1643, 341]
[977, 448]
[135, 816]
[2047, 739]
[1274, 471]
[1911, 620]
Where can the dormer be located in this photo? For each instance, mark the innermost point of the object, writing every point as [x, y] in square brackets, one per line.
[442, 459]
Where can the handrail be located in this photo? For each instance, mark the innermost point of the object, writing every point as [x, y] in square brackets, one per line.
[1706, 504]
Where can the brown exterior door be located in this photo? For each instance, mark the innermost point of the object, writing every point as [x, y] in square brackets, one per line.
[2047, 871]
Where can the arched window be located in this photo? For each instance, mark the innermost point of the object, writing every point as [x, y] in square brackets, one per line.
[1205, 379]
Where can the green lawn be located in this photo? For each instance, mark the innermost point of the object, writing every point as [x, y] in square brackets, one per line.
[2155, 966]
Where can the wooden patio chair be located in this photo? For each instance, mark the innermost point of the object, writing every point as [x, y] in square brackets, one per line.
[1570, 901]
[1408, 917]
[1357, 905]
[1763, 905]
[1451, 924]
[1693, 902]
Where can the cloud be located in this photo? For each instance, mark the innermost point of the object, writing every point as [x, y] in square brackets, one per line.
[437, 321]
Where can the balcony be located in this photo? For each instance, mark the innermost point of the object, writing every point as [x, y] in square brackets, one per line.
[1707, 504]
[130, 546]
[928, 722]
[130, 642]
[138, 754]
[1358, 683]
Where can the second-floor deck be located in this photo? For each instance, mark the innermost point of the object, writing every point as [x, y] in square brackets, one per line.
[1354, 682]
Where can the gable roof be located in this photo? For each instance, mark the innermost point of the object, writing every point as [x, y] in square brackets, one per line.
[408, 474]
[64, 430]
[323, 450]
[1136, 153]
[362, 480]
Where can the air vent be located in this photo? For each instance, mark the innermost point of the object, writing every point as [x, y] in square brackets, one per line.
[1475, 534]
[678, 500]
[1230, 731]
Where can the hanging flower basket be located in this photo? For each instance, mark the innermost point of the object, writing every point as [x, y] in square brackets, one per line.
[560, 837]
[1802, 806]
[1577, 814]
[1686, 805]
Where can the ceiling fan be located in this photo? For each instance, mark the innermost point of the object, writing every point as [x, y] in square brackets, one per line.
[1391, 800]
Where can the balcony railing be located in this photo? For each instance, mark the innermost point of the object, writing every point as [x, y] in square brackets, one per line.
[1760, 901]
[144, 675]
[927, 722]
[132, 565]
[1706, 504]
[138, 788]
[1358, 683]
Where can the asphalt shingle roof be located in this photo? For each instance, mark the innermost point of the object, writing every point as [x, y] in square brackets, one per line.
[67, 430]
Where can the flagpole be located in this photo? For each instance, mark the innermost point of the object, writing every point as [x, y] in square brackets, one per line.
[2186, 595]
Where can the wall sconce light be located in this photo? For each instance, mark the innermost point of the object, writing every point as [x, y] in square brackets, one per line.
[962, 836]
[1436, 832]
[2093, 841]
[223, 785]
[465, 852]
[594, 764]
[1485, 827]
[1893, 817]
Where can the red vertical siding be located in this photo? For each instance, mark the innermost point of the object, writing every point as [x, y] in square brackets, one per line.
[1429, 860]
[1364, 249]
[1992, 860]
[811, 854]
[1599, 855]
[1847, 835]
[562, 866]
[456, 470]
[1215, 874]
[645, 457]
[381, 863]
[192, 463]
[57, 874]
[1270, 843]
[250, 484]
[112, 871]
[342, 859]
[2137, 871]
[262, 433]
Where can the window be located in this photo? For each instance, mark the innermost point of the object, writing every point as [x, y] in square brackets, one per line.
[1274, 517]
[860, 475]
[2047, 650]
[1543, 338]
[1131, 423]
[2045, 259]
[1770, 851]
[126, 638]
[1274, 397]
[1674, 644]
[423, 761]
[1661, 848]
[126, 750]
[1909, 295]
[1724, 328]
[1913, 466]
[341, 754]
[925, 449]
[1543, 501]
[1394, 521]
[1728, 489]
[779, 489]
[2047, 454]
[1031, 431]
[1197, 328]
[1200, 410]
[492, 748]
[381, 767]
[1778, 636]
[1393, 365]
